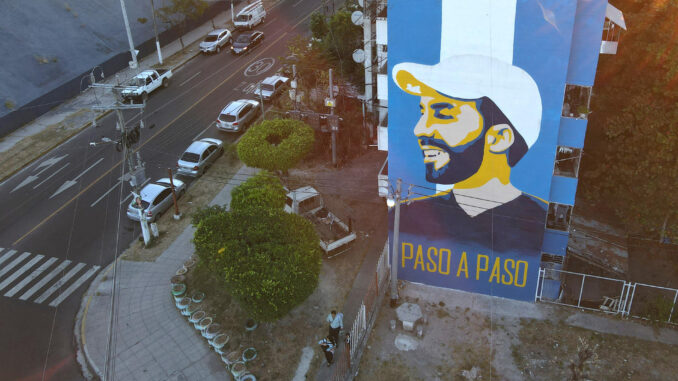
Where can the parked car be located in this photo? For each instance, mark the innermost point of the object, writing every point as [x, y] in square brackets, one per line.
[246, 42]
[272, 86]
[237, 115]
[199, 156]
[156, 198]
[250, 16]
[215, 40]
[146, 82]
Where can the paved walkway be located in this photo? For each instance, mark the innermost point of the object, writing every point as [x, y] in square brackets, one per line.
[152, 340]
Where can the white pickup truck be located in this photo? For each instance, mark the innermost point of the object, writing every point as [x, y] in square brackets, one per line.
[145, 83]
[335, 236]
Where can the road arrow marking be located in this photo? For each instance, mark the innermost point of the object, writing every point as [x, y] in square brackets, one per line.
[46, 164]
[69, 183]
[52, 175]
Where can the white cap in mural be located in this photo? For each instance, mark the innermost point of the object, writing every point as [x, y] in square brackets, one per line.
[476, 56]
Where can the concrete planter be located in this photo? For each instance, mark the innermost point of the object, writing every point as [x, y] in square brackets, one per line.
[183, 303]
[197, 296]
[238, 369]
[202, 324]
[220, 342]
[190, 263]
[231, 358]
[211, 331]
[177, 279]
[196, 317]
[192, 308]
[249, 355]
[182, 271]
[251, 325]
[178, 291]
[247, 376]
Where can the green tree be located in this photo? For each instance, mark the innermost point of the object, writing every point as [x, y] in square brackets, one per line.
[276, 145]
[269, 261]
[262, 191]
[318, 25]
[631, 152]
[341, 39]
[178, 11]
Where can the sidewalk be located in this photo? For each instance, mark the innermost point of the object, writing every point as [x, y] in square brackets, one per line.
[74, 115]
[152, 340]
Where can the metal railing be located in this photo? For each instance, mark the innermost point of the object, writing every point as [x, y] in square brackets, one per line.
[349, 353]
[608, 295]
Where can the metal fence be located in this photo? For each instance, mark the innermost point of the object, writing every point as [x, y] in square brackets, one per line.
[608, 295]
[349, 353]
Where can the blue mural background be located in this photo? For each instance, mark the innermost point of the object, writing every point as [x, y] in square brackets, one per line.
[543, 34]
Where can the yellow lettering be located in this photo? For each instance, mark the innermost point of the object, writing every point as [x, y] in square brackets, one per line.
[524, 274]
[430, 260]
[478, 269]
[403, 255]
[419, 259]
[440, 261]
[463, 265]
[495, 270]
[508, 272]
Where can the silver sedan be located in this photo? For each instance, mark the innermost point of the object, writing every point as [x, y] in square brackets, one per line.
[199, 156]
[155, 198]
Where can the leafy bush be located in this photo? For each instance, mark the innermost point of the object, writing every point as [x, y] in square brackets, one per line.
[262, 191]
[276, 144]
[204, 212]
[269, 261]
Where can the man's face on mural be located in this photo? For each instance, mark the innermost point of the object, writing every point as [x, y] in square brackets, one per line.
[450, 133]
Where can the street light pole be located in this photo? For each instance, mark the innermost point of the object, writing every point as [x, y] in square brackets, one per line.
[334, 133]
[394, 256]
[134, 63]
[155, 30]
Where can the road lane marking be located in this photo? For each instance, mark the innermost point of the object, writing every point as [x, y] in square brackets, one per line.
[106, 194]
[7, 255]
[52, 175]
[307, 16]
[297, 3]
[203, 131]
[22, 270]
[44, 280]
[188, 80]
[36, 273]
[64, 205]
[12, 264]
[73, 286]
[30, 178]
[57, 285]
[69, 183]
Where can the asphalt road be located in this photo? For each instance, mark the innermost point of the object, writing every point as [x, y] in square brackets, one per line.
[63, 217]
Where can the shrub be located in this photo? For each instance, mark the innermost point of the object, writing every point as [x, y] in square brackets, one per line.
[262, 191]
[276, 145]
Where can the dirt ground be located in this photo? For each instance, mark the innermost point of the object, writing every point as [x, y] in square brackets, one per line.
[348, 191]
[506, 348]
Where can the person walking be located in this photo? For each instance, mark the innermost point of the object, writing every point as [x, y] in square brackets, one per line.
[336, 321]
[328, 346]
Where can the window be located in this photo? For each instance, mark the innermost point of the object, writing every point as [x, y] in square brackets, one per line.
[190, 157]
[204, 155]
[309, 204]
[567, 161]
[148, 80]
[576, 103]
[558, 217]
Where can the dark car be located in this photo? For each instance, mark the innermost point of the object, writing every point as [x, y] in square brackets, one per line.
[246, 42]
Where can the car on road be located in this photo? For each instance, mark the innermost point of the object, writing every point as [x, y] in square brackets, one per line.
[145, 83]
[246, 42]
[250, 16]
[199, 156]
[237, 115]
[156, 198]
[272, 86]
[215, 40]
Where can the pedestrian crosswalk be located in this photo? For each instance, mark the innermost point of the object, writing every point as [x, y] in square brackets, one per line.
[39, 279]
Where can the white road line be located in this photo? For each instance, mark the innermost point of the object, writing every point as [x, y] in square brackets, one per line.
[52, 175]
[19, 272]
[57, 285]
[73, 286]
[13, 263]
[29, 278]
[86, 170]
[275, 18]
[193, 76]
[7, 255]
[44, 280]
[203, 131]
[130, 195]
[297, 3]
[105, 194]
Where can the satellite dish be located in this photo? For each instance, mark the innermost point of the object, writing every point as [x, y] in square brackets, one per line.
[357, 18]
[359, 55]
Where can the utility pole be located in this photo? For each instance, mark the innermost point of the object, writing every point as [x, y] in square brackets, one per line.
[261, 100]
[330, 103]
[133, 64]
[367, 38]
[155, 30]
[295, 85]
[232, 16]
[396, 237]
[177, 215]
